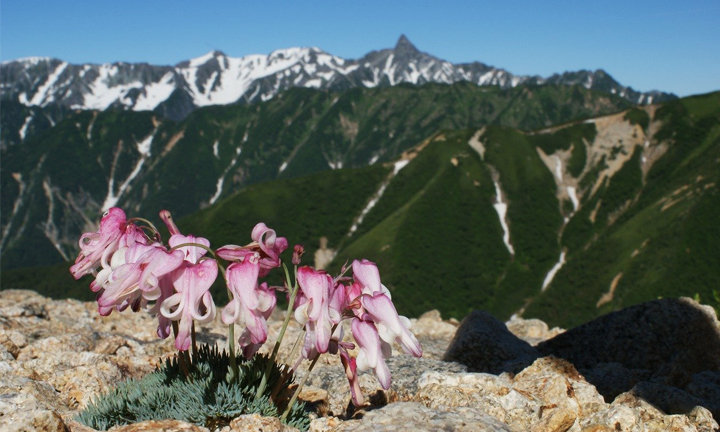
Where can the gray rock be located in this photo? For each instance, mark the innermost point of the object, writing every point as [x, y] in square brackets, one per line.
[484, 344]
[413, 416]
[405, 371]
[706, 387]
[57, 354]
[532, 331]
[666, 341]
[611, 379]
[669, 399]
[650, 336]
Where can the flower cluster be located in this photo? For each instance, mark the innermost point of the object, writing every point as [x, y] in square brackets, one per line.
[324, 302]
[133, 268]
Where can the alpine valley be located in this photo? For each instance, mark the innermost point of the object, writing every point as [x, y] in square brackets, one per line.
[560, 198]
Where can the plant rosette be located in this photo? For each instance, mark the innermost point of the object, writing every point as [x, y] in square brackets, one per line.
[133, 269]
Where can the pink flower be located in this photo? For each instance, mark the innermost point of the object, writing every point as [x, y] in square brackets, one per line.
[164, 324]
[251, 304]
[350, 365]
[265, 242]
[314, 313]
[298, 252]
[191, 254]
[132, 278]
[192, 301]
[114, 233]
[366, 274]
[391, 327]
[271, 245]
[373, 351]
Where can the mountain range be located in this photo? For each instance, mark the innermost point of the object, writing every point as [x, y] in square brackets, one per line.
[216, 79]
[459, 193]
[552, 200]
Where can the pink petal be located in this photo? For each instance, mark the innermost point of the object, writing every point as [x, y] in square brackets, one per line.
[94, 244]
[242, 278]
[192, 254]
[338, 303]
[233, 252]
[193, 283]
[366, 272]
[368, 340]
[381, 309]
[350, 366]
[169, 222]
[315, 285]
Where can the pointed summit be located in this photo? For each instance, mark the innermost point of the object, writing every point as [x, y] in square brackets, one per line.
[404, 45]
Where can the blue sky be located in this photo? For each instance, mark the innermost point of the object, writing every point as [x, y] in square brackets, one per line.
[667, 45]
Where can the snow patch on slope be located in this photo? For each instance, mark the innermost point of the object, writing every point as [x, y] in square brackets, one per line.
[501, 209]
[41, 97]
[112, 198]
[551, 274]
[23, 129]
[155, 93]
[221, 180]
[103, 94]
[358, 221]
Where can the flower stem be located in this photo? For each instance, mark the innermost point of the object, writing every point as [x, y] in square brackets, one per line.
[299, 389]
[201, 246]
[181, 354]
[231, 333]
[288, 314]
[300, 337]
[231, 348]
[150, 224]
[194, 341]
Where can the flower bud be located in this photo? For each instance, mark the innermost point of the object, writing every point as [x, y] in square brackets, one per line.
[298, 251]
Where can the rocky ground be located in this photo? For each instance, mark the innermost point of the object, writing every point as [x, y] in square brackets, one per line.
[652, 367]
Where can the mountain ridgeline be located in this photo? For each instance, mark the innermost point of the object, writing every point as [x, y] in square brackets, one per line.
[556, 202]
[215, 79]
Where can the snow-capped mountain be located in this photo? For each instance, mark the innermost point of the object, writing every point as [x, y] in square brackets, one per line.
[216, 79]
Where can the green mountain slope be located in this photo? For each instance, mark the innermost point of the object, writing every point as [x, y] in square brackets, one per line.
[628, 200]
[663, 244]
[57, 182]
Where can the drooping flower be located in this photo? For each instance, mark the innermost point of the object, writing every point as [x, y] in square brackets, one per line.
[366, 274]
[251, 304]
[298, 251]
[133, 276]
[192, 281]
[265, 243]
[114, 233]
[167, 289]
[191, 254]
[350, 365]
[192, 300]
[373, 351]
[314, 312]
[391, 326]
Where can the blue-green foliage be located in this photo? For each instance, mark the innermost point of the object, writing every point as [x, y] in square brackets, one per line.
[207, 397]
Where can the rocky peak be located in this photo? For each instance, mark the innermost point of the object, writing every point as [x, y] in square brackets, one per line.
[405, 47]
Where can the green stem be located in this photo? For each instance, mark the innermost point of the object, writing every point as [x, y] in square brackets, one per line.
[231, 348]
[288, 314]
[300, 337]
[194, 341]
[181, 354]
[131, 220]
[231, 332]
[298, 390]
[193, 245]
